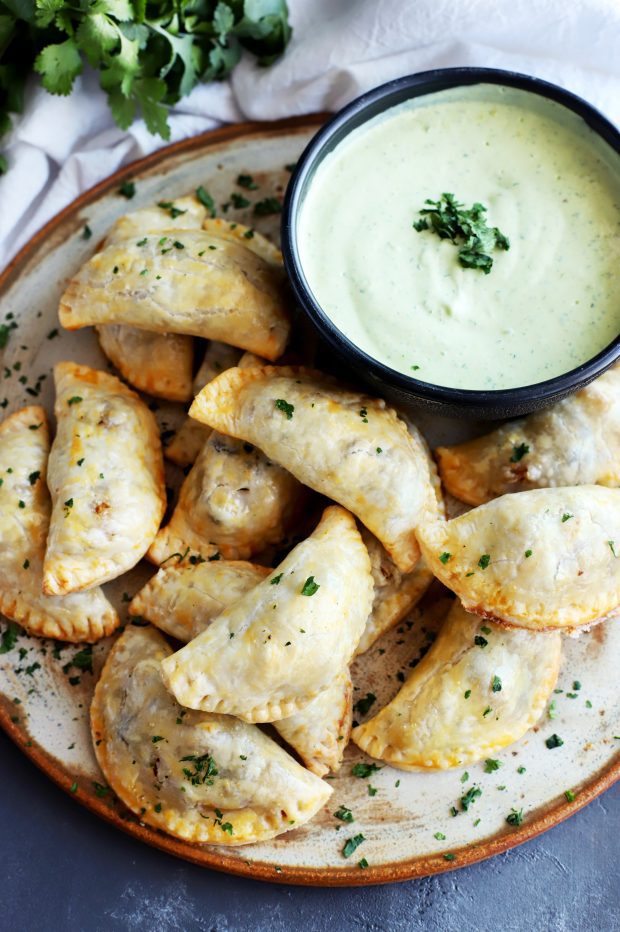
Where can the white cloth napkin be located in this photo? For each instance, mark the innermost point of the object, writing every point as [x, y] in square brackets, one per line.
[340, 48]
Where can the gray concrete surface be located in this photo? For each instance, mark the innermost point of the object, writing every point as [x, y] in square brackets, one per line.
[64, 870]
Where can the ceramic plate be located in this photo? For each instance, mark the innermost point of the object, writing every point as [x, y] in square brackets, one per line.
[45, 688]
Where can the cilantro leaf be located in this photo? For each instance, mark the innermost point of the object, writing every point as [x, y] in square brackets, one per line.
[59, 66]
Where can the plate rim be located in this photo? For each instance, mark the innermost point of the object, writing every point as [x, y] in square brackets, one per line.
[210, 856]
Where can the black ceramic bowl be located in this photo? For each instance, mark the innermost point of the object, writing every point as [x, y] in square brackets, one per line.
[404, 389]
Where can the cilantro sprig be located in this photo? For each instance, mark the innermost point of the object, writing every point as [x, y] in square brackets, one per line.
[466, 228]
[149, 54]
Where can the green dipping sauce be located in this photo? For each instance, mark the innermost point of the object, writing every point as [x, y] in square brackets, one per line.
[549, 183]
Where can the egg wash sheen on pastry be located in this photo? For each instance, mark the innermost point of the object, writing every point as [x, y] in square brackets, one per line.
[533, 297]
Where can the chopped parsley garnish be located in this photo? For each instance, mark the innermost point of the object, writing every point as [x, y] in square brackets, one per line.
[554, 741]
[276, 579]
[496, 684]
[9, 637]
[271, 205]
[480, 641]
[364, 705]
[74, 787]
[74, 400]
[86, 232]
[82, 660]
[527, 554]
[363, 770]
[285, 407]
[521, 769]
[467, 693]
[344, 814]
[487, 711]
[227, 827]
[157, 807]
[21, 503]
[310, 586]
[444, 557]
[464, 777]
[570, 796]
[362, 863]
[53, 333]
[101, 790]
[127, 189]
[515, 817]
[178, 245]
[612, 546]
[466, 228]
[157, 738]
[26, 564]
[551, 711]
[449, 857]
[172, 210]
[204, 769]
[484, 561]
[239, 201]
[379, 450]
[206, 200]
[470, 797]
[34, 476]
[490, 765]
[519, 452]
[439, 836]
[566, 517]
[351, 845]
[247, 182]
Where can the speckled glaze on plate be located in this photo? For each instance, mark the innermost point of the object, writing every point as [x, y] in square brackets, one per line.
[48, 717]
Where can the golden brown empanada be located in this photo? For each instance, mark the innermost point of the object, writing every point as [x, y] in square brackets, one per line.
[201, 777]
[106, 480]
[286, 640]
[543, 559]
[192, 435]
[346, 445]
[234, 501]
[24, 521]
[251, 239]
[479, 688]
[184, 213]
[320, 732]
[575, 442]
[182, 281]
[395, 592]
[157, 363]
[182, 598]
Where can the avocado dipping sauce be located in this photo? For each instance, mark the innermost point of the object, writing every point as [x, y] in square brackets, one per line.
[550, 302]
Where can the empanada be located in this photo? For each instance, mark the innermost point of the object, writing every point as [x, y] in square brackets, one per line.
[479, 688]
[201, 777]
[182, 598]
[182, 281]
[395, 593]
[24, 521]
[184, 213]
[320, 732]
[158, 363]
[192, 435]
[234, 501]
[346, 445]
[286, 640]
[543, 559]
[238, 233]
[575, 442]
[106, 480]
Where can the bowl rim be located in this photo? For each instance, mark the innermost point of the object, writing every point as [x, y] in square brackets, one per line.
[420, 84]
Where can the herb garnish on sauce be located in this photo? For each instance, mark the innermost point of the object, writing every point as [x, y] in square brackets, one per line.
[467, 228]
